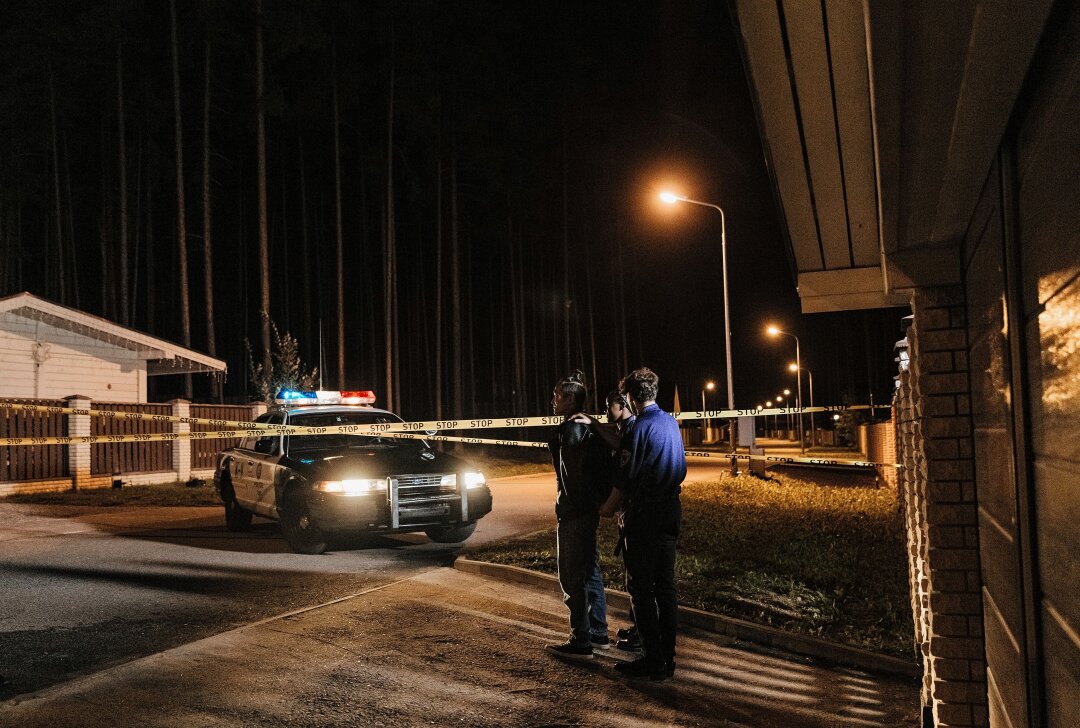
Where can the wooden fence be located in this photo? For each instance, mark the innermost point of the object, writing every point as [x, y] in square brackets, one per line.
[203, 451]
[33, 462]
[130, 457]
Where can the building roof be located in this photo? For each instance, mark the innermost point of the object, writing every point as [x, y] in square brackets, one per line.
[880, 123]
[161, 356]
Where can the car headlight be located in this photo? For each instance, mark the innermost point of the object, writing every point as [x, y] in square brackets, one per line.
[474, 480]
[351, 487]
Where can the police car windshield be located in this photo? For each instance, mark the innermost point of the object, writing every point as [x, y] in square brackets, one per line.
[335, 441]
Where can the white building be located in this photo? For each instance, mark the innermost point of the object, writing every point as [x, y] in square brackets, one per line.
[49, 351]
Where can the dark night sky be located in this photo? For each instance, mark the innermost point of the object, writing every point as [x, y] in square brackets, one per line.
[558, 119]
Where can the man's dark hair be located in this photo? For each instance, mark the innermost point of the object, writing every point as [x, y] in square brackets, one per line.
[616, 396]
[641, 384]
[573, 385]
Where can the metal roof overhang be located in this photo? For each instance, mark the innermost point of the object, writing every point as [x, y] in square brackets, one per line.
[162, 357]
[880, 121]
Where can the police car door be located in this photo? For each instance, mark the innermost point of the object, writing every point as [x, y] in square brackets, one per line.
[242, 468]
[266, 456]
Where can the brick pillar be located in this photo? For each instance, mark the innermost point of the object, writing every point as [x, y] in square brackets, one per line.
[79, 455]
[888, 451]
[181, 452]
[257, 408]
[938, 487]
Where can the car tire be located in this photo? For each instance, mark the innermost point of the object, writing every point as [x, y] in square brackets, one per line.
[302, 533]
[451, 534]
[236, 518]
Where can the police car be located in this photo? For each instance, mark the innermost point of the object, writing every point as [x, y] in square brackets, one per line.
[318, 486]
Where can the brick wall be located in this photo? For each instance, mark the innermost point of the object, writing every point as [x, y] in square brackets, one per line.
[938, 495]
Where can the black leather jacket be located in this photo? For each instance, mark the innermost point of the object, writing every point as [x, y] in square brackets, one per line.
[582, 468]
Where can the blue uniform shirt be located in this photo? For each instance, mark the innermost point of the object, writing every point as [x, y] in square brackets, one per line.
[652, 459]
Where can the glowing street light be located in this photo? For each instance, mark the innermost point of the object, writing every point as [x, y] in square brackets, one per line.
[774, 331]
[671, 198]
[709, 386]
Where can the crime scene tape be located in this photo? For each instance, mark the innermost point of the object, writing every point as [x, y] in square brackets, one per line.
[226, 434]
[385, 427]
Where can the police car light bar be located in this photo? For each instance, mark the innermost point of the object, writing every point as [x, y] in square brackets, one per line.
[294, 397]
[363, 396]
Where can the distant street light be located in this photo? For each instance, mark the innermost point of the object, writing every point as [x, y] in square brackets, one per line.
[787, 417]
[671, 198]
[794, 367]
[775, 331]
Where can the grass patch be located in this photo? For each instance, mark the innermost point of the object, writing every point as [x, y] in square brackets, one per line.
[164, 494]
[819, 553]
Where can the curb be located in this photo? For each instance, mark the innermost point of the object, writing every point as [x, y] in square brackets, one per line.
[710, 622]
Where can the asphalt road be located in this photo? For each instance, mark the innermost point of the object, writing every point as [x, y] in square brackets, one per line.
[83, 588]
[447, 648]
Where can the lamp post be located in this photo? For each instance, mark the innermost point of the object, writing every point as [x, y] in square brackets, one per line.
[775, 331]
[709, 386]
[787, 416]
[671, 198]
[794, 367]
[776, 418]
[768, 405]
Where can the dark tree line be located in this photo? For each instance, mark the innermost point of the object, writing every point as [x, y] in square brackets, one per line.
[364, 175]
[437, 199]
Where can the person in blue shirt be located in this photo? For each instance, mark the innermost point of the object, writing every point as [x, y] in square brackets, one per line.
[583, 474]
[648, 480]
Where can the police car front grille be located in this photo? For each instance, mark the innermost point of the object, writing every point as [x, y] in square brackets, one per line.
[413, 487]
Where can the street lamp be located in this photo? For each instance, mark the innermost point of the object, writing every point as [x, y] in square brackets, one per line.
[794, 367]
[709, 386]
[775, 331]
[671, 198]
[787, 417]
[768, 405]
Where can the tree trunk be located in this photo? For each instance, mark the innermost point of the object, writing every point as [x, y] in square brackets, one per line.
[566, 302]
[264, 244]
[103, 228]
[181, 221]
[455, 288]
[59, 258]
[393, 396]
[304, 240]
[208, 231]
[136, 247]
[337, 227]
[151, 278]
[438, 286]
[517, 401]
[121, 139]
[592, 325]
[71, 248]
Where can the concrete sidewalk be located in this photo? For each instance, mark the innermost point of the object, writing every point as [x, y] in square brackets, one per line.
[449, 648]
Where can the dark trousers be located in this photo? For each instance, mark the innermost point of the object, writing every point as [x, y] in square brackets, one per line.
[650, 574]
[577, 568]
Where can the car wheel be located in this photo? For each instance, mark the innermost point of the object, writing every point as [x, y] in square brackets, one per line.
[236, 518]
[302, 533]
[453, 534]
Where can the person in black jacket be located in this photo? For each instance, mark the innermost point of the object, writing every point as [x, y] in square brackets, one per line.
[583, 474]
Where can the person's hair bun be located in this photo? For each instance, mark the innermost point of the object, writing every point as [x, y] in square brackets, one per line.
[576, 376]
